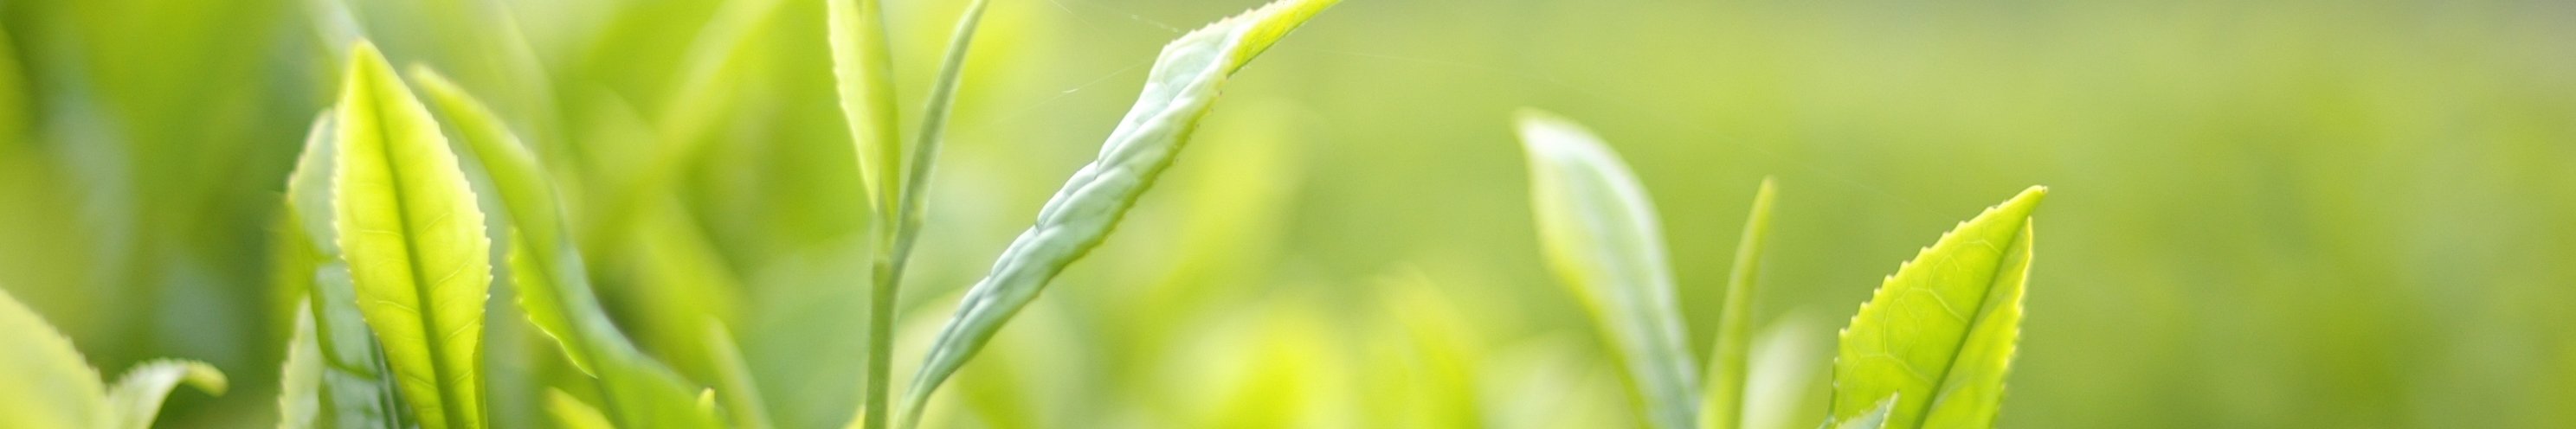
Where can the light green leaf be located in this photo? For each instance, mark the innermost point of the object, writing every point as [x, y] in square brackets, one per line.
[863, 73]
[299, 380]
[1875, 418]
[529, 204]
[554, 286]
[1939, 334]
[414, 242]
[44, 383]
[1723, 404]
[17, 110]
[350, 387]
[136, 398]
[1603, 242]
[742, 394]
[571, 413]
[1180, 90]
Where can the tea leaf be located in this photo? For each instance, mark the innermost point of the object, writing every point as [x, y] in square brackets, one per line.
[414, 242]
[299, 379]
[1939, 334]
[349, 384]
[1180, 90]
[136, 398]
[863, 74]
[571, 413]
[1602, 240]
[1876, 418]
[554, 287]
[743, 397]
[44, 383]
[1723, 404]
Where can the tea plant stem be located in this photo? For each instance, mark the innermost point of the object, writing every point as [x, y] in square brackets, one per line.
[895, 238]
[1723, 405]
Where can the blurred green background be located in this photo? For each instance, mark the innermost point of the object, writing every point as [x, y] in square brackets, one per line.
[2272, 213]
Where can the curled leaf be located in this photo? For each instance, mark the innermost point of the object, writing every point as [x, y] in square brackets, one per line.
[136, 398]
[1181, 89]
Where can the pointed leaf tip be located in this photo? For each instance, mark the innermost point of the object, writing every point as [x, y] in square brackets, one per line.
[1942, 330]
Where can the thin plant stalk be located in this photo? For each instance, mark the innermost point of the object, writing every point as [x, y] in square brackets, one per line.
[1723, 405]
[895, 233]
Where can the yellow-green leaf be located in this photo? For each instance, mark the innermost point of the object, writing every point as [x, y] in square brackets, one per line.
[1603, 241]
[529, 204]
[44, 383]
[299, 380]
[1939, 334]
[136, 398]
[349, 387]
[414, 241]
[863, 74]
[742, 394]
[1723, 404]
[554, 286]
[1181, 89]
[1874, 418]
[571, 413]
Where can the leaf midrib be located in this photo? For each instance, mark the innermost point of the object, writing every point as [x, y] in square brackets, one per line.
[2002, 255]
[411, 249]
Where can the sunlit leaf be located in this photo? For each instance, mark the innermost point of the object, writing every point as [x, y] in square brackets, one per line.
[299, 380]
[554, 286]
[571, 413]
[742, 395]
[414, 242]
[863, 75]
[350, 387]
[136, 398]
[1723, 404]
[44, 383]
[1873, 418]
[1939, 334]
[1181, 89]
[1603, 241]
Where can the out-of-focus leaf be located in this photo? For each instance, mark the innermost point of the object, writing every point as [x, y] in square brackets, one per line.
[16, 109]
[136, 398]
[414, 242]
[571, 413]
[863, 75]
[351, 387]
[693, 104]
[554, 287]
[1431, 381]
[1778, 375]
[742, 395]
[44, 383]
[1602, 240]
[1181, 89]
[677, 276]
[299, 380]
[1723, 404]
[1939, 334]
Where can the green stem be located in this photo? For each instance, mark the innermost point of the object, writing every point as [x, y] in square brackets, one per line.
[1724, 404]
[896, 245]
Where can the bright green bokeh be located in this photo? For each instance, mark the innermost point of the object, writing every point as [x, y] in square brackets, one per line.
[2272, 213]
